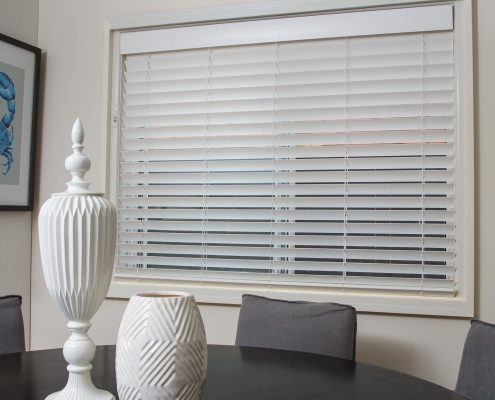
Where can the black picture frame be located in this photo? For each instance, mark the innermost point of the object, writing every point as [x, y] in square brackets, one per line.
[19, 98]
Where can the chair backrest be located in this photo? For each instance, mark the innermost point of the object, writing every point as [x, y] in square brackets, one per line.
[476, 379]
[11, 325]
[322, 328]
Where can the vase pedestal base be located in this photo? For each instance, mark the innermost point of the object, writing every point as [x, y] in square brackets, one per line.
[80, 387]
[79, 393]
[79, 351]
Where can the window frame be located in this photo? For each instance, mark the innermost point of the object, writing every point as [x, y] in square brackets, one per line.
[462, 305]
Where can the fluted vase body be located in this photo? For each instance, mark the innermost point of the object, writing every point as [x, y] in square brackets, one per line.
[161, 348]
[77, 243]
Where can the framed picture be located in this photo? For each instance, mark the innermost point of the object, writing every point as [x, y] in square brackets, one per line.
[19, 90]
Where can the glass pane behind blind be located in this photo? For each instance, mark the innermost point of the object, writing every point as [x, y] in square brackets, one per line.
[325, 162]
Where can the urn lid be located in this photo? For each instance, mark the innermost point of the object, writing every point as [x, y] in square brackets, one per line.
[77, 164]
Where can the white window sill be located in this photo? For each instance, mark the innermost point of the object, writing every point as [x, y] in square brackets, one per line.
[231, 294]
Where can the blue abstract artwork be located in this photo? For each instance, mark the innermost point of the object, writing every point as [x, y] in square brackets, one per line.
[7, 93]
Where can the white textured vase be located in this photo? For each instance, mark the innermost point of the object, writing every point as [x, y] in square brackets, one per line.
[77, 230]
[161, 348]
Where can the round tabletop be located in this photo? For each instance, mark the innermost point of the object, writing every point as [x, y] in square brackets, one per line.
[239, 373]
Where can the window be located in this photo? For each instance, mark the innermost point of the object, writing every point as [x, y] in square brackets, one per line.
[318, 153]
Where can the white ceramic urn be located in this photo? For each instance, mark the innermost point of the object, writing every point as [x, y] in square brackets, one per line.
[161, 348]
[77, 230]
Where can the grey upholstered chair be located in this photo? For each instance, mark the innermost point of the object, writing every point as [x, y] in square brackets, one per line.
[11, 325]
[476, 379]
[322, 328]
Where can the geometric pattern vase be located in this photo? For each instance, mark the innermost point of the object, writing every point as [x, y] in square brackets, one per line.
[77, 230]
[161, 348]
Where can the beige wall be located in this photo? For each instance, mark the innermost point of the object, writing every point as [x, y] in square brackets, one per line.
[71, 33]
[18, 19]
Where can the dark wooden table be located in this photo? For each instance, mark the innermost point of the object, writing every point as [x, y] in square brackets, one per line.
[234, 373]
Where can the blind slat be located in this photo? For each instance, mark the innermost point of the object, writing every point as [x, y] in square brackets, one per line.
[283, 227]
[291, 240]
[375, 163]
[320, 202]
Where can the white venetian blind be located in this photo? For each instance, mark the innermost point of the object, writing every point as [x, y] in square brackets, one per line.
[325, 162]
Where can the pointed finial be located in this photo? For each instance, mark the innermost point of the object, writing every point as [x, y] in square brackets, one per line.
[77, 163]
